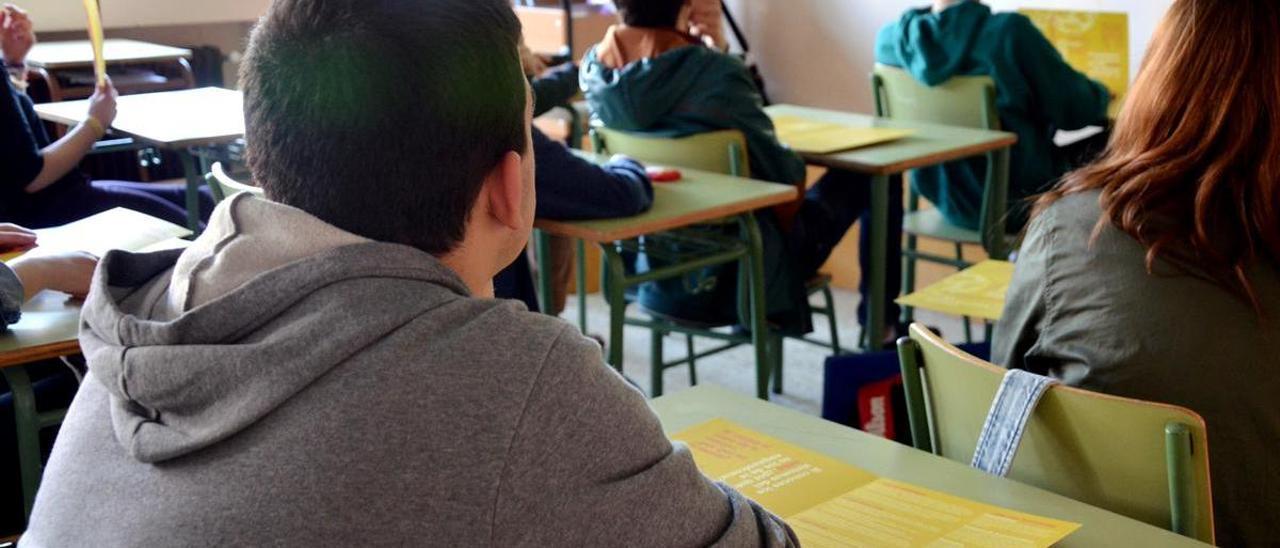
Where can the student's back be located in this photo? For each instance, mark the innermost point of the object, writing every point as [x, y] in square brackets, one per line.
[264, 417]
[1088, 312]
[1155, 272]
[678, 87]
[1038, 93]
[327, 364]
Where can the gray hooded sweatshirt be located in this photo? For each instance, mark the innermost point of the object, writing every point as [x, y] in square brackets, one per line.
[358, 396]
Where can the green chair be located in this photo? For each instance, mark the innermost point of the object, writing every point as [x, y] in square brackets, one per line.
[965, 101]
[1144, 460]
[224, 186]
[719, 152]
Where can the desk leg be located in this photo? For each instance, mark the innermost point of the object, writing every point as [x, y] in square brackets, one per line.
[542, 249]
[194, 180]
[581, 253]
[760, 336]
[879, 228]
[28, 430]
[615, 287]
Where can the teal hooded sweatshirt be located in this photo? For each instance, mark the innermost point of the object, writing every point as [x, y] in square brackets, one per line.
[1037, 94]
[690, 90]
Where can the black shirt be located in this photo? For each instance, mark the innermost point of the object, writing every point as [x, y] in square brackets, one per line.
[22, 137]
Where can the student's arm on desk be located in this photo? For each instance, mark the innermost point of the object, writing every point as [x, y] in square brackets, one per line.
[572, 189]
[590, 466]
[1065, 96]
[554, 88]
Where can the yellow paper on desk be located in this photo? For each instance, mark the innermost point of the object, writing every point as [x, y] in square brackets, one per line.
[96, 38]
[1095, 43]
[978, 292]
[817, 137]
[829, 503]
[119, 228]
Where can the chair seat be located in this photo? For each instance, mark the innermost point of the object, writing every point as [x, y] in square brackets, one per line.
[931, 224]
[818, 282]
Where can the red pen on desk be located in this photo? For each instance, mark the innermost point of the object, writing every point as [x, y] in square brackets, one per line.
[664, 174]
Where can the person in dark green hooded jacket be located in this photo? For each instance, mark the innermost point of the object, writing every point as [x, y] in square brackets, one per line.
[651, 75]
[1037, 94]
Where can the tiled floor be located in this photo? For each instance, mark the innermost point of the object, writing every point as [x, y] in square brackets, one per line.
[736, 369]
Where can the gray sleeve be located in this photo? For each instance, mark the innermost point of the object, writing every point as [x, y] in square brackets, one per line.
[590, 466]
[11, 296]
[1021, 326]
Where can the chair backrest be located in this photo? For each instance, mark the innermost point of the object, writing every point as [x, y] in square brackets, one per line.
[224, 186]
[1144, 460]
[716, 152]
[965, 101]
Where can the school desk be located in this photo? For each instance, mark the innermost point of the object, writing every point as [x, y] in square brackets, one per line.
[899, 462]
[189, 122]
[929, 145]
[49, 329]
[699, 197]
[976, 292]
[61, 66]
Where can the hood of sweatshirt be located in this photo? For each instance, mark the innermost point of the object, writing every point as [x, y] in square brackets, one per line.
[182, 384]
[639, 95]
[933, 47]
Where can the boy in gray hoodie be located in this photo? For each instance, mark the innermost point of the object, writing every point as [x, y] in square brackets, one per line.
[325, 365]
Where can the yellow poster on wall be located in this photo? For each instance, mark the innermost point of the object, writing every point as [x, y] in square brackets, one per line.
[1095, 43]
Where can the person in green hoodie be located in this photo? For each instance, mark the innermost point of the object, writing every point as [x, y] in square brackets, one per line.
[1037, 94]
[652, 75]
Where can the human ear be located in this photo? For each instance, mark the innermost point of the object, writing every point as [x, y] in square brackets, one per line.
[506, 192]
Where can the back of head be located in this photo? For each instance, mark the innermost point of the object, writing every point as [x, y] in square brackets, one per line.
[384, 117]
[658, 14]
[1193, 168]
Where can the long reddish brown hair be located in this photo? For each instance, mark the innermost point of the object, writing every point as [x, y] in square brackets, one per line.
[1193, 167]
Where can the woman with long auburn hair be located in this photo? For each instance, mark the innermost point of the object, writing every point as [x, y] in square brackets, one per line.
[1154, 273]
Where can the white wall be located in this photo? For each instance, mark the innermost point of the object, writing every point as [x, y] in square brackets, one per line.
[819, 52]
[66, 15]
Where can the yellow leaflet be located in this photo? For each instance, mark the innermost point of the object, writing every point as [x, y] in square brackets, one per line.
[978, 292]
[830, 503]
[816, 137]
[96, 38]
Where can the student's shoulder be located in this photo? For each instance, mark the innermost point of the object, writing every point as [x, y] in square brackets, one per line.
[1075, 213]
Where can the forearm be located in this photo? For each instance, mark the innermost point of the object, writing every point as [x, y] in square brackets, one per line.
[64, 155]
[29, 278]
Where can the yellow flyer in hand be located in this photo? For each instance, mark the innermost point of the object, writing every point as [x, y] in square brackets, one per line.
[94, 12]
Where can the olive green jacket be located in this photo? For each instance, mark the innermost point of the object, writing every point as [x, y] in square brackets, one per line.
[1088, 312]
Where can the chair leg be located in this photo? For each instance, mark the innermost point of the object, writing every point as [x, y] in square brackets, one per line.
[831, 320]
[775, 360]
[28, 434]
[657, 360]
[968, 322]
[909, 278]
[693, 364]
[990, 332]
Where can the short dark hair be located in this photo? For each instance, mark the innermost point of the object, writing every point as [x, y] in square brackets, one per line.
[659, 14]
[384, 117]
